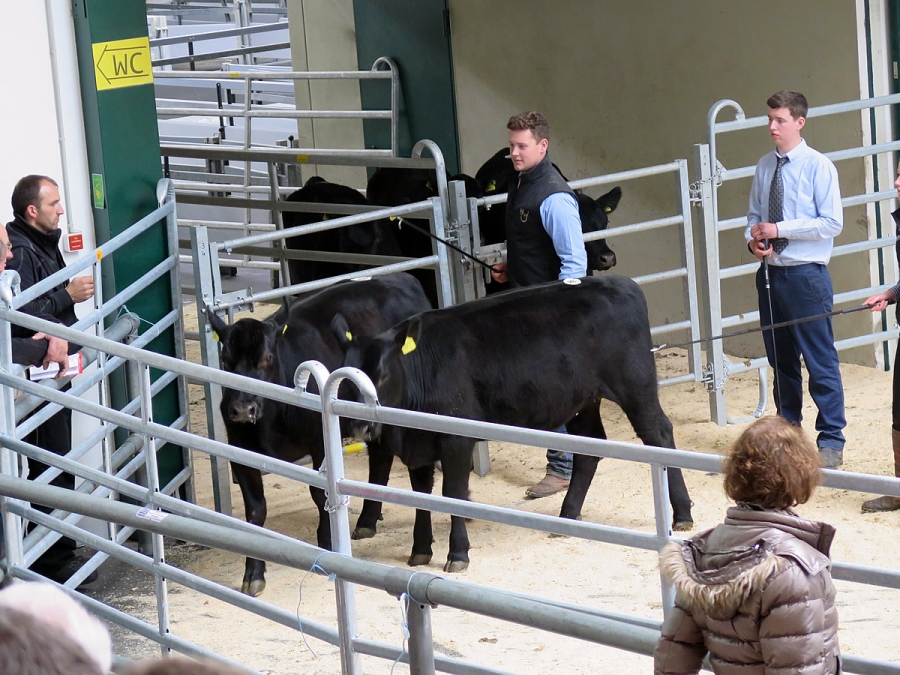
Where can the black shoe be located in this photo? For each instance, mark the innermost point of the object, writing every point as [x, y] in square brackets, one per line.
[60, 573]
[831, 457]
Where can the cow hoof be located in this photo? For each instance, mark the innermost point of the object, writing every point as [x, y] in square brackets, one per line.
[683, 525]
[456, 566]
[253, 588]
[363, 533]
[417, 559]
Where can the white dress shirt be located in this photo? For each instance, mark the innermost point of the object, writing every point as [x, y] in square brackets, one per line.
[813, 215]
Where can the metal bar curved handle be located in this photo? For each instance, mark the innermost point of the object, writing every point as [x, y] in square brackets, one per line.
[165, 191]
[307, 368]
[10, 285]
[355, 375]
[718, 107]
[440, 168]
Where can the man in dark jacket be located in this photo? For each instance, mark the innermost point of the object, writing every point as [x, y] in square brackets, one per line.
[544, 241]
[34, 235]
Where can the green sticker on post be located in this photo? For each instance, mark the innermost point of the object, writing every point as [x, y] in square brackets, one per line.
[98, 190]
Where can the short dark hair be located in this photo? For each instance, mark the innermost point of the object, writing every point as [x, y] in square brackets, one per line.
[28, 193]
[178, 666]
[772, 464]
[533, 121]
[28, 646]
[792, 100]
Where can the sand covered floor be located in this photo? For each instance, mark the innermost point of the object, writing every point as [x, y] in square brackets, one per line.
[598, 575]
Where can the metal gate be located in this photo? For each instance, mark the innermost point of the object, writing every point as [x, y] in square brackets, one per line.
[712, 176]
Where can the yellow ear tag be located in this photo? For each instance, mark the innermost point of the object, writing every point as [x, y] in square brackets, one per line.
[393, 218]
[408, 346]
[491, 186]
[428, 186]
[324, 216]
[607, 209]
[215, 336]
[349, 336]
[284, 330]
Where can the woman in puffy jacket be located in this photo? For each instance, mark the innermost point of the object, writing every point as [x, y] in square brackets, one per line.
[755, 592]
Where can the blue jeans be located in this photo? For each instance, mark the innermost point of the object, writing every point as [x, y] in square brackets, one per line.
[559, 463]
[797, 292]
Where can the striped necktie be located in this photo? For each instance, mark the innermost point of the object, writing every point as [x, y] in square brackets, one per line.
[776, 202]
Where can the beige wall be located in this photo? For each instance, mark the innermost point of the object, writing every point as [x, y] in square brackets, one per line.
[628, 83]
[323, 37]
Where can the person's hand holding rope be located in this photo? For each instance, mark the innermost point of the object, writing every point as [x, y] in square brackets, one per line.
[879, 302]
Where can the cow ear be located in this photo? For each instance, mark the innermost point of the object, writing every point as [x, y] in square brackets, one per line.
[610, 200]
[280, 317]
[407, 341]
[341, 330]
[220, 328]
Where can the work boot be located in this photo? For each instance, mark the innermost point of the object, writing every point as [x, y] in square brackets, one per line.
[832, 458]
[887, 503]
[549, 485]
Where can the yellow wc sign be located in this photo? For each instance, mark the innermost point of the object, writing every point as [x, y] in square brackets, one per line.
[122, 63]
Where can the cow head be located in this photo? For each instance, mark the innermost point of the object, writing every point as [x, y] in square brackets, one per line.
[594, 218]
[379, 357]
[248, 349]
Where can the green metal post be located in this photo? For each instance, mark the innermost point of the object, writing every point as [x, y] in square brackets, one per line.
[123, 155]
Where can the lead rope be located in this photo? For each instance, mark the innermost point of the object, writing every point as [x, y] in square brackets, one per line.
[772, 328]
[446, 243]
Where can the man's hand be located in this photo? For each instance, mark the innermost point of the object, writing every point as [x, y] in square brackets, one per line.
[879, 302]
[762, 231]
[57, 352]
[760, 249]
[498, 272]
[81, 289]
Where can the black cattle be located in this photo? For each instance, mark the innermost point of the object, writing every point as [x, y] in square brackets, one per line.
[375, 237]
[535, 357]
[398, 187]
[495, 176]
[271, 350]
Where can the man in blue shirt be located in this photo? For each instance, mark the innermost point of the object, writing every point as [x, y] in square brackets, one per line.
[544, 241]
[795, 214]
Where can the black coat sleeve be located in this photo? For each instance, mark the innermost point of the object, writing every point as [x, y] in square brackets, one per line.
[28, 352]
[28, 267]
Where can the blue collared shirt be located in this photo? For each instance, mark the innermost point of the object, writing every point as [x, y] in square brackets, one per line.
[813, 215]
[559, 213]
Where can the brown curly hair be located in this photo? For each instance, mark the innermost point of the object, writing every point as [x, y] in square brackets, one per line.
[534, 121]
[772, 464]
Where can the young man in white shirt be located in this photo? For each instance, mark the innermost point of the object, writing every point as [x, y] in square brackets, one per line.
[795, 213]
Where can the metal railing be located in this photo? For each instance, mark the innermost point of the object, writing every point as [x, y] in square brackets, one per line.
[384, 68]
[686, 272]
[424, 589]
[712, 175]
[132, 458]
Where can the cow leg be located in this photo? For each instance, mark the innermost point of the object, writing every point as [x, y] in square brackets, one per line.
[250, 482]
[323, 532]
[456, 460]
[586, 423]
[422, 480]
[654, 428]
[380, 462]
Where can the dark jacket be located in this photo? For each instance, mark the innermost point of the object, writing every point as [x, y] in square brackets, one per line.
[531, 256]
[36, 256]
[896, 289]
[28, 352]
[756, 594]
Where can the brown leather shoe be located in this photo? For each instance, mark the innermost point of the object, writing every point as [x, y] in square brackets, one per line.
[549, 485]
[878, 504]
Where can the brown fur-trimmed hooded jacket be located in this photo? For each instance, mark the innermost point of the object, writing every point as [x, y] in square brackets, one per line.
[756, 594]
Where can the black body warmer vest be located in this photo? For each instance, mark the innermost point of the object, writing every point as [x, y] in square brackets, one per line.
[531, 256]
